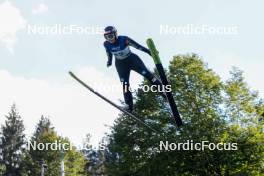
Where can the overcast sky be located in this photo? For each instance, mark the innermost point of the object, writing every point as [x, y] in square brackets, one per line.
[33, 67]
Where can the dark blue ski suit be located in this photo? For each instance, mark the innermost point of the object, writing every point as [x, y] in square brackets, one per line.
[125, 61]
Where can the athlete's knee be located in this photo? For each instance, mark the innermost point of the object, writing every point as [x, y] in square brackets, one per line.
[152, 79]
[144, 72]
[122, 80]
[147, 74]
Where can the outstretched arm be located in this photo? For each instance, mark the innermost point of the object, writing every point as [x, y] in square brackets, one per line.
[137, 46]
[109, 57]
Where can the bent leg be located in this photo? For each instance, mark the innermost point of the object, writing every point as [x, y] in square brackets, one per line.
[140, 68]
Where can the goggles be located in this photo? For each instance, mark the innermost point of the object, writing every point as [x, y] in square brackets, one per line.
[109, 36]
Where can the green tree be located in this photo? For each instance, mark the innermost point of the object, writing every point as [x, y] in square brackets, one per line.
[240, 101]
[45, 133]
[74, 162]
[244, 109]
[202, 99]
[95, 157]
[12, 141]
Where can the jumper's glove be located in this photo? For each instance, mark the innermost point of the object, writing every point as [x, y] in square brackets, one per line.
[109, 63]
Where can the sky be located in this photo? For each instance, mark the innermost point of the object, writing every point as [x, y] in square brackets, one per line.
[34, 65]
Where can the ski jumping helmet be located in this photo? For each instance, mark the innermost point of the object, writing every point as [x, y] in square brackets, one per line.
[110, 34]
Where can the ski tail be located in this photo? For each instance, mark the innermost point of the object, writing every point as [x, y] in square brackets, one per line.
[133, 116]
[159, 66]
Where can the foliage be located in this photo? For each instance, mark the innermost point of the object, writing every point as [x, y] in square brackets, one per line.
[212, 110]
[12, 141]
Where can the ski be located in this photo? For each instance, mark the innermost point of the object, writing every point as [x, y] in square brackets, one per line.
[156, 58]
[130, 114]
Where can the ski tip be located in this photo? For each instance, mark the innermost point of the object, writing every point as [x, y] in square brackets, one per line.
[70, 72]
[149, 41]
[72, 75]
[151, 45]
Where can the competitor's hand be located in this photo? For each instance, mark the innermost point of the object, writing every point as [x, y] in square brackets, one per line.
[108, 64]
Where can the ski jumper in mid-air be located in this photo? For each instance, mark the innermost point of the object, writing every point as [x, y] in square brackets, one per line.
[125, 61]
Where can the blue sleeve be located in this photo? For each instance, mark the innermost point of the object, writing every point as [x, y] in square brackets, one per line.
[134, 44]
[108, 53]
